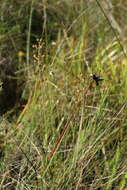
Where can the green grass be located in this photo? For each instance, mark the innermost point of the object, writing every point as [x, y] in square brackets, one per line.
[71, 134]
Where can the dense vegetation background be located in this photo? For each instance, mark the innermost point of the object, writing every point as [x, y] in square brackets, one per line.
[65, 132]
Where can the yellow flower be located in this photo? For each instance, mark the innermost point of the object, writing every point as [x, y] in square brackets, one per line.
[21, 53]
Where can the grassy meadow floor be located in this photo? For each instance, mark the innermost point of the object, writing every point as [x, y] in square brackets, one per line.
[71, 134]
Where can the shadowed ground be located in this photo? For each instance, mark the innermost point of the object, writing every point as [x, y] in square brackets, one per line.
[8, 84]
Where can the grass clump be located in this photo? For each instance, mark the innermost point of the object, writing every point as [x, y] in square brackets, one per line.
[65, 132]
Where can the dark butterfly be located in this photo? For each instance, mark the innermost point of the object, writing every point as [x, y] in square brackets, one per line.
[97, 78]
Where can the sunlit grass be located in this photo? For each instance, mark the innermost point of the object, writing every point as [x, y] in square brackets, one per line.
[71, 133]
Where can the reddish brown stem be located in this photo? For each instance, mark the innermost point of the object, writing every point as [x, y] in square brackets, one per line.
[59, 140]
